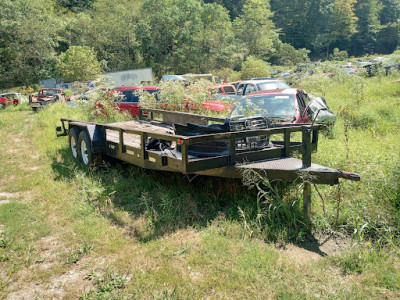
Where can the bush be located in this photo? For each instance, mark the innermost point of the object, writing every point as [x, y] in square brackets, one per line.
[176, 96]
[228, 75]
[338, 55]
[254, 67]
[287, 55]
[78, 63]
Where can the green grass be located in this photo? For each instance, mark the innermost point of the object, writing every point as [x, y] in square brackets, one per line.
[122, 232]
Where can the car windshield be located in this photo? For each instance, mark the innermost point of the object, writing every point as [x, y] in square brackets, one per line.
[273, 85]
[281, 106]
[132, 96]
[50, 92]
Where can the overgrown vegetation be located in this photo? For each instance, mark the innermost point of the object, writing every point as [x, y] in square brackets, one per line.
[123, 232]
[186, 36]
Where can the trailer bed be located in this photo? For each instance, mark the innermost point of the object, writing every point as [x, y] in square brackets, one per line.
[130, 141]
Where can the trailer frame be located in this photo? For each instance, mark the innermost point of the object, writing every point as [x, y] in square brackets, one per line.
[127, 141]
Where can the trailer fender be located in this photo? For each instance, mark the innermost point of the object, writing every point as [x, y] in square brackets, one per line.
[97, 136]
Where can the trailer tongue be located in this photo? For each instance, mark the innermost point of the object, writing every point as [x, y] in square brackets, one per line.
[224, 149]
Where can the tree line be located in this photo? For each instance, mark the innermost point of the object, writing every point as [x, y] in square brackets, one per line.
[181, 36]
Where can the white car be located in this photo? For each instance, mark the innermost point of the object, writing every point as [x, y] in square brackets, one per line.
[21, 98]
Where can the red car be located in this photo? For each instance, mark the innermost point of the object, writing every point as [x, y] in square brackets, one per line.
[130, 101]
[283, 105]
[8, 99]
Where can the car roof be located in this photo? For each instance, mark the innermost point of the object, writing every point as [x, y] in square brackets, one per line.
[220, 85]
[253, 81]
[136, 87]
[8, 93]
[291, 91]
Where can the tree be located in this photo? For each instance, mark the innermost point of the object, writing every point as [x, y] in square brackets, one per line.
[234, 7]
[287, 55]
[368, 27]
[109, 27]
[216, 41]
[180, 36]
[255, 29]
[389, 36]
[254, 67]
[78, 63]
[29, 34]
[76, 5]
[298, 21]
[339, 23]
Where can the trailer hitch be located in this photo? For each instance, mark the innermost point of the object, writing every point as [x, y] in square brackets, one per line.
[349, 175]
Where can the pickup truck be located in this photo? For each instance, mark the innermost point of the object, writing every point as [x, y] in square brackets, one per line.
[45, 97]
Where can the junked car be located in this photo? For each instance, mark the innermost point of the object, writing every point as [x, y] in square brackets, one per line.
[284, 106]
[128, 100]
[45, 97]
[246, 87]
[11, 99]
[260, 110]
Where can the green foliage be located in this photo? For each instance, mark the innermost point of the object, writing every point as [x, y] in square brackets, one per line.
[28, 40]
[210, 236]
[287, 55]
[254, 67]
[73, 257]
[338, 55]
[278, 215]
[108, 286]
[180, 36]
[233, 6]
[338, 23]
[255, 29]
[78, 63]
[76, 5]
[368, 25]
[177, 96]
[177, 37]
[228, 75]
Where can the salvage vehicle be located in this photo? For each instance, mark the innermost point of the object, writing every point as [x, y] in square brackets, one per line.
[222, 89]
[285, 106]
[246, 87]
[130, 100]
[189, 144]
[45, 97]
[10, 99]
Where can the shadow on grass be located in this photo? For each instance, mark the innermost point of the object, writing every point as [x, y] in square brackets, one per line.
[167, 201]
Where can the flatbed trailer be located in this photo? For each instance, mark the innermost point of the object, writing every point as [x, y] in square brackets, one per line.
[129, 141]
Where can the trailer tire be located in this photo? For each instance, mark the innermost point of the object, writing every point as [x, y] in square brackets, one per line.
[73, 142]
[86, 156]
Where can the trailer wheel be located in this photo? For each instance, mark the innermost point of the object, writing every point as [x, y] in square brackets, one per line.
[73, 141]
[87, 157]
[2, 106]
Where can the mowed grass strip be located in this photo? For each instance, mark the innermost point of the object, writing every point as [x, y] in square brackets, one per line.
[122, 232]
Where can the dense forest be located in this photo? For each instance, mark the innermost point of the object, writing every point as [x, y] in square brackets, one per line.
[179, 36]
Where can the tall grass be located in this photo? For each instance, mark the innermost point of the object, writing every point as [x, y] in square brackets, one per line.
[365, 141]
[149, 234]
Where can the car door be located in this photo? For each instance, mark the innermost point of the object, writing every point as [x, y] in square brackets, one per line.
[240, 89]
[250, 88]
[129, 102]
[302, 100]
